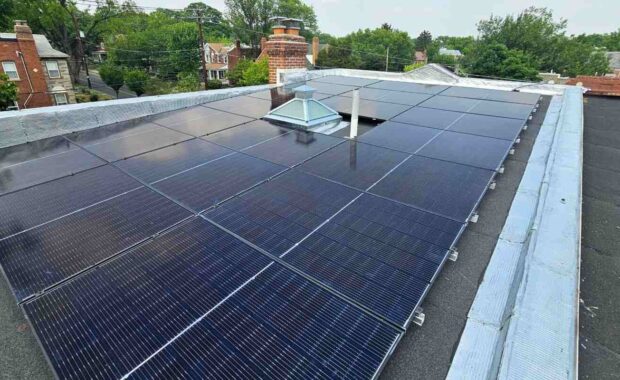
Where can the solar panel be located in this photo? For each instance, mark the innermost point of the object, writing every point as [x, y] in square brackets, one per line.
[450, 103]
[200, 121]
[397, 97]
[46, 255]
[382, 254]
[293, 148]
[367, 108]
[246, 135]
[489, 126]
[167, 161]
[36, 171]
[348, 81]
[210, 184]
[281, 212]
[39, 204]
[497, 95]
[136, 144]
[21, 153]
[441, 187]
[354, 164]
[243, 105]
[409, 87]
[427, 117]
[283, 94]
[329, 88]
[468, 92]
[399, 136]
[511, 110]
[278, 326]
[112, 132]
[106, 322]
[479, 151]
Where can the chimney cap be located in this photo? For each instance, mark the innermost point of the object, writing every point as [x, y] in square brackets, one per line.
[21, 22]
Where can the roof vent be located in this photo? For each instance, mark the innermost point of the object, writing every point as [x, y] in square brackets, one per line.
[304, 112]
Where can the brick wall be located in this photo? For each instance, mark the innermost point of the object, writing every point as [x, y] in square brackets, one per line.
[285, 51]
[28, 68]
[605, 86]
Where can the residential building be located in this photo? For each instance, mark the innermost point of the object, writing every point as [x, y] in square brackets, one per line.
[420, 57]
[222, 57]
[451, 52]
[99, 55]
[40, 72]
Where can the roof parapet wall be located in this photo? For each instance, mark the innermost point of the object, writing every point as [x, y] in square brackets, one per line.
[524, 320]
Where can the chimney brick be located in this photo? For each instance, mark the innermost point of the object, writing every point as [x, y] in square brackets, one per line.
[285, 51]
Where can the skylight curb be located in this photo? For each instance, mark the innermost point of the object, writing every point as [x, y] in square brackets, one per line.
[523, 322]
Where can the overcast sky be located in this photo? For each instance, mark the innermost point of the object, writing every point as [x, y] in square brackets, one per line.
[441, 17]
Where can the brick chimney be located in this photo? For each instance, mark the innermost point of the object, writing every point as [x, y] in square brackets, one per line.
[32, 84]
[315, 49]
[286, 48]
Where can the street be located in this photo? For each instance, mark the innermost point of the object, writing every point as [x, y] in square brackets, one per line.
[99, 85]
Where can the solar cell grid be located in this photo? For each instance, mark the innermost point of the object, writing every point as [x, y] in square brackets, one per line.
[496, 95]
[354, 164]
[119, 314]
[301, 330]
[399, 136]
[388, 96]
[367, 108]
[409, 87]
[112, 132]
[511, 110]
[281, 212]
[210, 184]
[489, 126]
[43, 256]
[167, 161]
[479, 151]
[243, 105]
[293, 148]
[33, 150]
[39, 204]
[427, 117]
[450, 103]
[282, 94]
[34, 172]
[437, 186]
[344, 80]
[246, 135]
[329, 88]
[200, 121]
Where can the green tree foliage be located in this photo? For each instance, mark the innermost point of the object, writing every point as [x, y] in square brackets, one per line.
[236, 74]
[413, 66]
[112, 76]
[496, 60]
[256, 73]
[187, 82]
[8, 92]
[608, 41]
[366, 49]
[424, 40]
[136, 80]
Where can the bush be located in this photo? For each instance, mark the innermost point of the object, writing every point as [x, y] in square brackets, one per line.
[136, 80]
[112, 76]
[156, 86]
[256, 73]
[236, 74]
[187, 82]
[94, 97]
[413, 66]
[214, 84]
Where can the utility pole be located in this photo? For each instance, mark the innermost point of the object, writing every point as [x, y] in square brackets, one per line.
[202, 47]
[80, 47]
[387, 58]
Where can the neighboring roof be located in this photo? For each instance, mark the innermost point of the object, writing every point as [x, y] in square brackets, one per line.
[452, 52]
[614, 59]
[44, 48]
[607, 86]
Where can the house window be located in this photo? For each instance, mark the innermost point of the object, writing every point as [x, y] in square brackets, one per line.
[52, 69]
[212, 74]
[221, 74]
[61, 99]
[10, 69]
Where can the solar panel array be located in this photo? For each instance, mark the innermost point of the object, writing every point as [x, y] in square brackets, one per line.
[207, 243]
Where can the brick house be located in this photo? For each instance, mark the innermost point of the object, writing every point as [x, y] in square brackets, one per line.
[221, 57]
[40, 72]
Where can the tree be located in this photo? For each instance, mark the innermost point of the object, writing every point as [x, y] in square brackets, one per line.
[8, 92]
[496, 60]
[338, 55]
[187, 82]
[236, 74]
[136, 80]
[112, 76]
[256, 73]
[424, 40]
[386, 26]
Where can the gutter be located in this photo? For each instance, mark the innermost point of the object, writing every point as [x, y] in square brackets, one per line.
[523, 322]
[21, 55]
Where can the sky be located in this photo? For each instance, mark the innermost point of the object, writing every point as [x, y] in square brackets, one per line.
[440, 17]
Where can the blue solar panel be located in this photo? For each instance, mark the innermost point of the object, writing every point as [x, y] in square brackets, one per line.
[479, 151]
[210, 184]
[278, 326]
[281, 212]
[33, 172]
[46, 255]
[293, 148]
[437, 186]
[106, 322]
[39, 204]
[355, 164]
[246, 135]
[200, 121]
[400, 136]
[164, 162]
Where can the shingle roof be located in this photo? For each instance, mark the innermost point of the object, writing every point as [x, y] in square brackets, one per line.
[44, 48]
